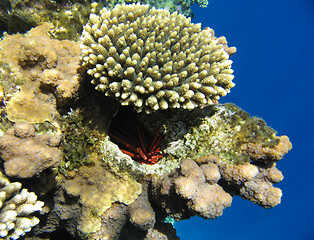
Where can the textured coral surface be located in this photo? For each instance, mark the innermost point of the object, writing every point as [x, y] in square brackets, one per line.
[26, 154]
[153, 60]
[16, 207]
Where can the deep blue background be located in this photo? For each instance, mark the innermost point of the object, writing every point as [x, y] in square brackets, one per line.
[274, 76]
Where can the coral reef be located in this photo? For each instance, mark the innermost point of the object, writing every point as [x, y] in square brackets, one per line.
[69, 16]
[16, 209]
[26, 154]
[56, 129]
[223, 130]
[153, 60]
[250, 181]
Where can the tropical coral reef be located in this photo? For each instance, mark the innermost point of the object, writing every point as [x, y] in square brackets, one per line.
[152, 60]
[98, 188]
[110, 171]
[16, 209]
[69, 16]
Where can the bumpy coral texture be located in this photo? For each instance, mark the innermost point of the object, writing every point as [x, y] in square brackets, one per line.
[49, 70]
[26, 153]
[153, 60]
[251, 182]
[98, 188]
[191, 190]
[16, 207]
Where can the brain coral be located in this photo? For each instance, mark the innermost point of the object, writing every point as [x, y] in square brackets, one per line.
[153, 60]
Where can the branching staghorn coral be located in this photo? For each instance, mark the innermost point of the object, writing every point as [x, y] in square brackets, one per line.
[16, 207]
[153, 60]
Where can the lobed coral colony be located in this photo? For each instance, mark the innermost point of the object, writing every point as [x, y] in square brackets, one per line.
[119, 133]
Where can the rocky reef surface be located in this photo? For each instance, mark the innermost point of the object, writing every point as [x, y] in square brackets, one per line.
[104, 171]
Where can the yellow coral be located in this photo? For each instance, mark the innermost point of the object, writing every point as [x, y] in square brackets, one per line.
[49, 69]
[98, 188]
[24, 106]
[153, 60]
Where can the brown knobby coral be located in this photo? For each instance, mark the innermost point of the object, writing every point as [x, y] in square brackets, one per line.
[26, 153]
[47, 70]
[191, 190]
[152, 59]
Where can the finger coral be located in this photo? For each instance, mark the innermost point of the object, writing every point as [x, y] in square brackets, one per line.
[190, 190]
[250, 181]
[16, 207]
[152, 60]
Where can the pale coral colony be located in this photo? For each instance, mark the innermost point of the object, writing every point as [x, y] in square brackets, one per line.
[111, 126]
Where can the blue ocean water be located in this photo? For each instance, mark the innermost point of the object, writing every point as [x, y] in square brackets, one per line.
[274, 76]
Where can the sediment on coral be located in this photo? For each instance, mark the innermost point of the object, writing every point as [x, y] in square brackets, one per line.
[151, 59]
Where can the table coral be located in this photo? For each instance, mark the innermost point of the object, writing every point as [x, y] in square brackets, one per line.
[26, 154]
[153, 60]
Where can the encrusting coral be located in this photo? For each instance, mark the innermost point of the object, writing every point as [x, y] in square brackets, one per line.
[16, 207]
[98, 188]
[42, 63]
[26, 153]
[153, 60]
